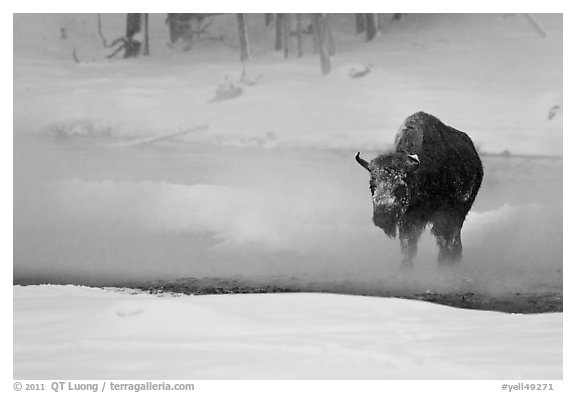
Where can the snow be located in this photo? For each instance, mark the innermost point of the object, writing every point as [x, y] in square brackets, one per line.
[75, 332]
[494, 76]
[271, 192]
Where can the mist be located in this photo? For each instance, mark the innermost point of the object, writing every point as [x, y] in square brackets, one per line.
[97, 215]
[269, 191]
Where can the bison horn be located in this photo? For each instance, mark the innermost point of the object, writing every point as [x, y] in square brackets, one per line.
[362, 162]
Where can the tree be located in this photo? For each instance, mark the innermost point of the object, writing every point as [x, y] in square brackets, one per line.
[279, 31]
[133, 42]
[381, 21]
[329, 36]
[315, 35]
[286, 35]
[371, 26]
[320, 28]
[146, 49]
[299, 34]
[243, 34]
[177, 25]
[360, 23]
[189, 27]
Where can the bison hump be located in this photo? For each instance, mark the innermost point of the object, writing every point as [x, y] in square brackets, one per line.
[410, 135]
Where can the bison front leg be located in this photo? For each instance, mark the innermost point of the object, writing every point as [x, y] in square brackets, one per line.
[409, 236]
[447, 229]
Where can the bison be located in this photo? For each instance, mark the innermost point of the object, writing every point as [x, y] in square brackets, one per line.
[431, 177]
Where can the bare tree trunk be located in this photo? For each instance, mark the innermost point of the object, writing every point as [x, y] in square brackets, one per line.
[268, 19]
[133, 46]
[171, 27]
[243, 34]
[286, 35]
[371, 26]
[176, 27]
[279, 29]
[360, 23]
[299, 34]
[320, 21]
[329, 35]
[146, 50]
[315, 35]
[381, 22]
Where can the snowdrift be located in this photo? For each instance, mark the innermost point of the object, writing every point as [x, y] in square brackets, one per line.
[70, 332]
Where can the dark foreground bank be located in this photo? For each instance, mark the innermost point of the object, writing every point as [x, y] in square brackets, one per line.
[518, 302]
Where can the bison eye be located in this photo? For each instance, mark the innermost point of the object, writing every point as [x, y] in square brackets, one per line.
[400, 192]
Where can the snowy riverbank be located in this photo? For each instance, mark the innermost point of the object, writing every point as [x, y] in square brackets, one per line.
[70, 332]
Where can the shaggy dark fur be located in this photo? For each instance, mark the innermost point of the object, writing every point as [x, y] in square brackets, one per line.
[431, 177]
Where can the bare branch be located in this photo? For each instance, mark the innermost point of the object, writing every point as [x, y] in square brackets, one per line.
[121, 47]
[75, 57]
[102, 35]
[219, 39]
[159, 138]
[535, 25]
[119, 40]
[204, 28]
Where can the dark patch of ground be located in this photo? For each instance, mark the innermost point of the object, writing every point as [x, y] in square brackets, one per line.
[524, 303]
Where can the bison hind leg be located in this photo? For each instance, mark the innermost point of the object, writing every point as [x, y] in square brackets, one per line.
[446, 228]
[450, 253]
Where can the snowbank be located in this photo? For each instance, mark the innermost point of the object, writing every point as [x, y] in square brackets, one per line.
[69, 332]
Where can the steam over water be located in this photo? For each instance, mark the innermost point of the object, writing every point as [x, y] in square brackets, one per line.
[294, 209]
[87, 213]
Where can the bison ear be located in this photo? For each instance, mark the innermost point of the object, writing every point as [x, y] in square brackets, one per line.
[414, 157]
[413, 161]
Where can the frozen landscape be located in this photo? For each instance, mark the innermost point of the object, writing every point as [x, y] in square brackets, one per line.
[267, 198]
[84, 333]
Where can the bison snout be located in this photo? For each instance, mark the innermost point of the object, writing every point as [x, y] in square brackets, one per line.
[386, 220]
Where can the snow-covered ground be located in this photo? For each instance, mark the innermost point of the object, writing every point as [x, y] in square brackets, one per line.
[270, 191]
[491, 75]
[67, 332]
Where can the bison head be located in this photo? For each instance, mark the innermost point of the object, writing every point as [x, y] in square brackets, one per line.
[390, 187]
